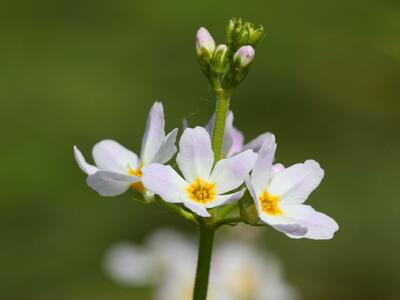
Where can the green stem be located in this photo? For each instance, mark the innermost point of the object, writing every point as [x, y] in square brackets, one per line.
[177, 209]
[204, 261]
[230, 221]
[207, 231]
[227, 209]
[221, 110]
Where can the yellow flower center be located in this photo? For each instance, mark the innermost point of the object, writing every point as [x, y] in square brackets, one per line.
[138, 173]
[201, 191]
[269, 203]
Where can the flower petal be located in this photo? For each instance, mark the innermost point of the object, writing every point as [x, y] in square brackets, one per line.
[80, 160]
[257, 143]
[230, 173]
[253, 194]
[195, 158]
[111, 156]
[108, 184]
[168, 149]
[164, 181]
[196, 208]
[225, 199]
[281, 222]
[294, 184]
[154, 133]
[261, 173]
[292, 230]
[319, 226]
[233, 138]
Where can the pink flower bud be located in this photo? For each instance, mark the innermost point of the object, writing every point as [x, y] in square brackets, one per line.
[276, 168]
[244, 55]
[204, 41]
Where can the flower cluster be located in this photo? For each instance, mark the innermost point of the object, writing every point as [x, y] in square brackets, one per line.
[278, 193]
[226, 65]
[255, 274]
[214, 167]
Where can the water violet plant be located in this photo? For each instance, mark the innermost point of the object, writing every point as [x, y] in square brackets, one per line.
[215, 169]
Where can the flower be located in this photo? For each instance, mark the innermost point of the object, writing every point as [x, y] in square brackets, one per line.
[240, 271]
[202, 186]
[129, 264]
[279, 195]
[234, 139]
[118, 168]
[245, 55]
[239, 33]
[204, 42]
[220, 58]
[167, 261]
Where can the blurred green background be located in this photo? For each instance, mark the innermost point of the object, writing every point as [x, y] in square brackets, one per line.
[326, 81]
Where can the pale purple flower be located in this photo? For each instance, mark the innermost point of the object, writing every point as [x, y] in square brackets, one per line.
[234, 139]
[201, 186]
[118, 168]
[279, 195]
[204, 41]
[244, 55]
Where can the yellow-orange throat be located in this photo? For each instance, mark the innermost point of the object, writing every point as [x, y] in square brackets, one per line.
[138, 173]
[269, 203]
[201, 191]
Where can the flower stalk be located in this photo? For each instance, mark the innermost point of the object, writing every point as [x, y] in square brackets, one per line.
[223, 91]
[207, 231]
[206, 241]
[221, 111]
[178, 210]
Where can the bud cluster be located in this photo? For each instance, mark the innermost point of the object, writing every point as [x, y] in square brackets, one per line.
[226, 65]
[240, 33]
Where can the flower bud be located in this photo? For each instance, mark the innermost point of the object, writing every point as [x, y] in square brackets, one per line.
[230, 28]
[252, 215]
[148, 196]
[244, 56]
[277, 168]
[256, 35]
[219, 58]
[240, 33]
[204, 43]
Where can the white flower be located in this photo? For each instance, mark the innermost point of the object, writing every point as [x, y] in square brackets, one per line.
[168, 259]
[118, 168]
[134, 265]
[234, 139]
[279, 198]
[165, 245]
[202, 186]
[241, 272]
[129, 265]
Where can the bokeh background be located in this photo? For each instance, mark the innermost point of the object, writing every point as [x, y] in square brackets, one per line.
[326, 81]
